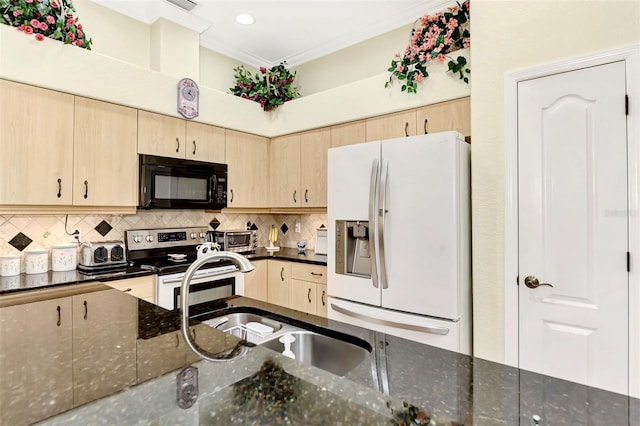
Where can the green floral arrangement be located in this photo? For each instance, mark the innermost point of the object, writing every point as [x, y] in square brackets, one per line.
[269, 87]
[45, 18]
[433, 39]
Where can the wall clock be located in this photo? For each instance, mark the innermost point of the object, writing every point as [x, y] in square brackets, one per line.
[188, 98]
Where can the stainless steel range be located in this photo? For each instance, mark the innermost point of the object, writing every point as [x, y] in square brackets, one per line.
[170, 251]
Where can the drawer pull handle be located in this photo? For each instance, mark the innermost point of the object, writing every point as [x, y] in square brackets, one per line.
[126, 290]
[59, 317]
[86, 310]
[316, 274]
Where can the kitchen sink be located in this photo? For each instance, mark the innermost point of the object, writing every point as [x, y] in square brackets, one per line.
[335, 352]
[332, 355]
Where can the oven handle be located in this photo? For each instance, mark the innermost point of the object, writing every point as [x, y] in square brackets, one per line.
[199, 276]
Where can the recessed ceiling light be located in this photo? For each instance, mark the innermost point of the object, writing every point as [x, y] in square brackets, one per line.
[245, 19]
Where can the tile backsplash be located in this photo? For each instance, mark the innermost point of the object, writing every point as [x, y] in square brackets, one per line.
[20, 232]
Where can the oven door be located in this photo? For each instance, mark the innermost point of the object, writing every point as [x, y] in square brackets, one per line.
[206, 285]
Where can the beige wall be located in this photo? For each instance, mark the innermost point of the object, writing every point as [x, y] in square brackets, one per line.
[508, 36]
[113, 34]
[360, 61]
[216, 70]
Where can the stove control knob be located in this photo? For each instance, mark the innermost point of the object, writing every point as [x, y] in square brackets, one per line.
[149, 238]
[137, 239]
[193, 235]
[202, 235]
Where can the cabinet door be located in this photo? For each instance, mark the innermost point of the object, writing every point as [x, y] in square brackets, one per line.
[303, 296]
[247, 157]
[445, 116]
[321, 305]
[36, 145]
[105, 156]
[285, 171]
[205, 143]
[161, 135]
[35, 361]
[391, 126]
[309, 272]
[313, 167]
[141, 287]
[105, 328]
[279, 281]
[348, 133]
[255, 282]
[159, 355]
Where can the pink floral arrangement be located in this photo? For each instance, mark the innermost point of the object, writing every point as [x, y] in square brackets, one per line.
[433, 39]
[269, 87]
[45, 18]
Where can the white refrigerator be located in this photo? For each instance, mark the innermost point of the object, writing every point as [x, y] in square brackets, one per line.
[399, 238]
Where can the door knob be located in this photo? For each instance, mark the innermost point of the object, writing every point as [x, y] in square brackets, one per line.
[532, 282]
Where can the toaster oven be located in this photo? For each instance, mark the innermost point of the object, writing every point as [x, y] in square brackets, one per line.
[239, 241]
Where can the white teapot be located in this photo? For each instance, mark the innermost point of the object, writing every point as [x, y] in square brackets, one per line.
[205, 248]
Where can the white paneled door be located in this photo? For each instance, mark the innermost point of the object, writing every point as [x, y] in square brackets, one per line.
[573, 226]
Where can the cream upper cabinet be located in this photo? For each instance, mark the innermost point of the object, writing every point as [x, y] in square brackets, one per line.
[255, 282]
[299, 169]
[36, 145]
[35, 361]
[391, 126]
[444, 116]
[285, 171]
[104, 358]
[105, 156]
[205, 143]
[167, 136]
[161, 135]
[313, 167]
[279, 282]
[348, 133]
[248, 175]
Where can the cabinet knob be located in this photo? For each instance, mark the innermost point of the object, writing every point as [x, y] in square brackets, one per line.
[59, 316]
[177, 145]
[231, 191]
[406, 129]
[294, 196]
[309, 295]
[86, 310]
[59, 187]
[306, 191]
[324, 293]
[194, 147]
[282, 274]
[86, 189]
[425, 126]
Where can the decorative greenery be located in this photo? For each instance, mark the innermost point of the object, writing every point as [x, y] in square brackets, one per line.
[45, 18]
[434, 37]
[270, 88]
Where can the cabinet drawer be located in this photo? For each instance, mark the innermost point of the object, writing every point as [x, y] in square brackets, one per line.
[140, 287]
[308, 272]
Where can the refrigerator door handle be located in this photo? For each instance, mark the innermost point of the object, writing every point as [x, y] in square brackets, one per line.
[373, 221]
[382, 211]
[443, 331]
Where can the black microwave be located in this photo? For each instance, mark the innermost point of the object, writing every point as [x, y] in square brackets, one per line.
[172, 183]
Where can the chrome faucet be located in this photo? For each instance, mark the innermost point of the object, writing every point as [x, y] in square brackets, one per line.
[243, 264]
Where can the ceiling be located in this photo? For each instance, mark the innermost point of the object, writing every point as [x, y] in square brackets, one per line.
[293, 30]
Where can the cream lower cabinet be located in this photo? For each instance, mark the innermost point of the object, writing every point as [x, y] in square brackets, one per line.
[159, 355]
[36, 145]
[168, 136]
[278, 282]
[104, 344]
[105, 155]
[308, 288]
[299, 169]
[248, 175]
[255, 282]
[36, 347]
[141, 287]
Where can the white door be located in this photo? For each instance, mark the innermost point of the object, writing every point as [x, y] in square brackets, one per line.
[572, 162]
[421, 224]
[348, 195]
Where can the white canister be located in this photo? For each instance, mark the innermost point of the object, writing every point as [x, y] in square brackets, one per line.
[64, 257]
[9, 265]
[36, 261]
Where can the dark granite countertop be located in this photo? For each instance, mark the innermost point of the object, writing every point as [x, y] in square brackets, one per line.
[449, 387]
[292, 254]
[50, 279]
